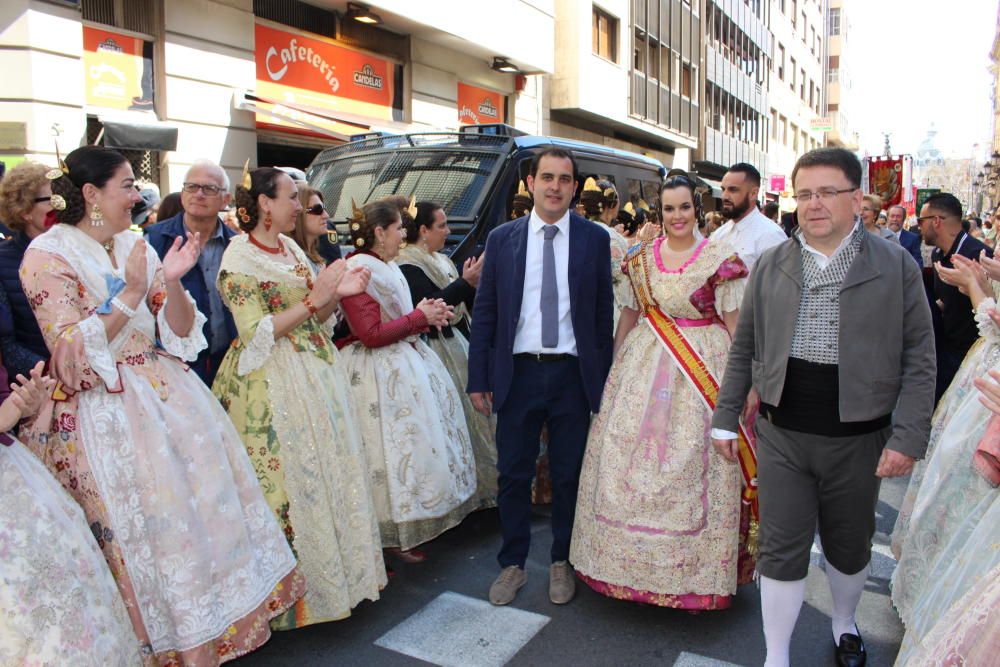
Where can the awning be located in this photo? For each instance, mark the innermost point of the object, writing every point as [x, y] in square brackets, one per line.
[298, 119]
[135, 136]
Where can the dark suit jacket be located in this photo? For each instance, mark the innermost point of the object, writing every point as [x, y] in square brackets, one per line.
[911, 243]
[161, 236]
[498, 307]
[887, 362]
[958, 325]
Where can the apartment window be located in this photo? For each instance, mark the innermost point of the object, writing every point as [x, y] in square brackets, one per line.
[835, 21]
[783, 134]
[686, 80]
[782, 5]
[812, 39]
[605, 35]
[812, 94]
[774, 124]
[833, 75]
[802, 84]
[781, 62]
[795, 12]
[792, 73]
[795, 138]
[832, 108]
[804, 31]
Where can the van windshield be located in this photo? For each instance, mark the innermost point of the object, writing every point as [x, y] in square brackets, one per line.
[456, 179]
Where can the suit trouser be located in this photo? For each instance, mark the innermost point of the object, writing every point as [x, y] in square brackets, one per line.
[541, 392]
[805, 479]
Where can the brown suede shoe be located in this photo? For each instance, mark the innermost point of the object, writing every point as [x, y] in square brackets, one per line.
[562, 582]
[505, 588]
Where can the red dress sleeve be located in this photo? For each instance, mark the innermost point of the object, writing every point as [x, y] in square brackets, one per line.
[364, 316]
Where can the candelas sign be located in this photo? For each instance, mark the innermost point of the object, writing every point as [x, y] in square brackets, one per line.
[478, 105]
[314, 72]
[113, 69]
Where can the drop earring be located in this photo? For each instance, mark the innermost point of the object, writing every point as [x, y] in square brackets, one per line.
[267, 220]
[96, 216]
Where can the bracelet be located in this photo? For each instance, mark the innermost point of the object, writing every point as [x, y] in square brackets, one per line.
[128, 312]
[307, 302]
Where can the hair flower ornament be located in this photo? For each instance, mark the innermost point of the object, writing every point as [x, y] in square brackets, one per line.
[243, 215]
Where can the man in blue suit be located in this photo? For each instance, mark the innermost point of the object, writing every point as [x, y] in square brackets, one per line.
[909, 240]
[539, 353]
[204, 194]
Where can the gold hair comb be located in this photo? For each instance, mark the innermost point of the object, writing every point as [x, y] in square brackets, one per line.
[245, 180]
[591, 184]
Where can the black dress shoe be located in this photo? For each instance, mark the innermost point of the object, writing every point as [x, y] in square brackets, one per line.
[851, 651]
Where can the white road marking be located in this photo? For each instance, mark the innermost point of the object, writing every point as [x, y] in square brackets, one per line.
[459, 631]
[686, 659]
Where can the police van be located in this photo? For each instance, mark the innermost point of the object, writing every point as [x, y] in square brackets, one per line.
[473, 174]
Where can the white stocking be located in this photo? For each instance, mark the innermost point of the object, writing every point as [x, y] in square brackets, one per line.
[780, 602]
[846, 591]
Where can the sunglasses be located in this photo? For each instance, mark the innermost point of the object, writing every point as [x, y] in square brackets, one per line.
[316, 209]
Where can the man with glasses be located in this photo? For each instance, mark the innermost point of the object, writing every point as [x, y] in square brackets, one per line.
[748, 230]
[204, 195]
[835, 335]
[940, 225]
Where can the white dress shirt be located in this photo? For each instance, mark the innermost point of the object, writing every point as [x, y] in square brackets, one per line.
[528, 336]
[751, 236]
[822, 261]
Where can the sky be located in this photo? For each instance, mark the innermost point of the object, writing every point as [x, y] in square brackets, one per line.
[921, 62]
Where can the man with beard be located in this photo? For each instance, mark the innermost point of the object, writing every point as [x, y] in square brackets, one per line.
[748, 230]
[940, 225]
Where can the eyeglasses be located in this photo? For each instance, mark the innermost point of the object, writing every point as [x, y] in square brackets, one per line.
[316, 209]
[929, 217]
[209, 189]
[825, 195]
[39, 200]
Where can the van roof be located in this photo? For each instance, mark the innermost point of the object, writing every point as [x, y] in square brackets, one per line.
[382, 142]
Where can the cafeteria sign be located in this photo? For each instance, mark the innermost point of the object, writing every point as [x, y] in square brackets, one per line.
[115, 66]
[313, 73]
[478, 105]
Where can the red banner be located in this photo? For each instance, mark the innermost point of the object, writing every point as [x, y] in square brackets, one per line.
[478, 106]
[312, 72]
[885, 179]
[113, 66]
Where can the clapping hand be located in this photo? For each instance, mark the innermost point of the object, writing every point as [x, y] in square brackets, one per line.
[327, 282]
[136, 277]
[355, 281]
[180, 259]
[967, 275]
[989, 386]
[472, 269]
[990, 266]
[437, 312]
[28, 393]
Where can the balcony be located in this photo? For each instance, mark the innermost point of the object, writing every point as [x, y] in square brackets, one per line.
[727, 76]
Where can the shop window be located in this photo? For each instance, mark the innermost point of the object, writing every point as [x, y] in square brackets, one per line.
[605, 35]
[135, 15]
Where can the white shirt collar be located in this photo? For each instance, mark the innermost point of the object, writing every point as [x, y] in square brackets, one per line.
[843, 242]
[537, 223]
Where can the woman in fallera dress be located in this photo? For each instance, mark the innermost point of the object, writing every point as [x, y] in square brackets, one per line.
[601, 205]
[286, 390]
[419, 455]
[658, 512]
[61, 605]
[137, 439]
[432, 275]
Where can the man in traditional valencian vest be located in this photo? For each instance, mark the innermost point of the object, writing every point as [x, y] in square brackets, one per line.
[835, 334]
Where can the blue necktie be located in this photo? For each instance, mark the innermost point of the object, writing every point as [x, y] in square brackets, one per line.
[550, 291]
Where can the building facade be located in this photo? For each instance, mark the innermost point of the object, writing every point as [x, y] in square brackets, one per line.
[798, 88]
[738, 46]
[275, 81]
[838, 76]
